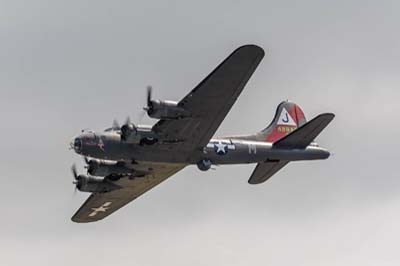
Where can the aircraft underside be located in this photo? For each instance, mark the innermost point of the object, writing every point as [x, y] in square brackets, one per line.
[218, 151]
[124, 162]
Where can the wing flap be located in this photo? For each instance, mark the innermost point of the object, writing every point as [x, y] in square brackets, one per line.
[265, 170]
[304, 135]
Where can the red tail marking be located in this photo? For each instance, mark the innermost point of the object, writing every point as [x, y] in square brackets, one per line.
[297, 114]
[281, 131]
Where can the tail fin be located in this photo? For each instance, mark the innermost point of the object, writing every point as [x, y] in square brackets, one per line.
[288, 117]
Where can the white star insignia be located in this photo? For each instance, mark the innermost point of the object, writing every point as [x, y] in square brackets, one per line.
[220, 148]
[102, 208]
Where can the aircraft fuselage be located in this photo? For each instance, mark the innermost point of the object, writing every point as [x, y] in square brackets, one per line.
[108, 146]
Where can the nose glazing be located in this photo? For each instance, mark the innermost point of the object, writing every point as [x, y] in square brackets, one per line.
[78, 144]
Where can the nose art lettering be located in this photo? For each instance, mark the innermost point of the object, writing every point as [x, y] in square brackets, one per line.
[101, 144]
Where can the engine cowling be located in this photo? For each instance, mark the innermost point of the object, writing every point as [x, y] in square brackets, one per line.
[127, 130]
[102, 168]
[86, 183]
[204, 165]
[165, 110]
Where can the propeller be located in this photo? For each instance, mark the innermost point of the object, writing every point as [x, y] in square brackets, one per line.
[149, 102]
[127, 121]
[87, 162]
[91, 165]
[126, 129]
[149, 89]
[75, 173]
[115, 125]
[77, 177]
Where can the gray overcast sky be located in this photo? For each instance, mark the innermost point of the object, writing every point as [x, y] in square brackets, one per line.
[68, 65]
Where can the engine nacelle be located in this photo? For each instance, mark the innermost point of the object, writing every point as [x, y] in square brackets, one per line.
[166, 110]
[86, 183]
[204, 165]
[102, 168]
[128, 130]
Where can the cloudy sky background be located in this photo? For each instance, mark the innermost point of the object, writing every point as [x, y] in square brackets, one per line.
[68, 65]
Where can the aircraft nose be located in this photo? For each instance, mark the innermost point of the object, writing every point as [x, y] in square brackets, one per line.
[77, 144]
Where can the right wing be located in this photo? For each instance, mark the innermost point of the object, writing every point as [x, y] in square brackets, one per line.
[100, 205]
[209, 102]
[265, 170]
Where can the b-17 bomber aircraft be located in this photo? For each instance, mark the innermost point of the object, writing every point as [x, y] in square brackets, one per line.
[125, 162]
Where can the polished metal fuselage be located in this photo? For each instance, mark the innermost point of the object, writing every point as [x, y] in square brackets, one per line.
[108, 146]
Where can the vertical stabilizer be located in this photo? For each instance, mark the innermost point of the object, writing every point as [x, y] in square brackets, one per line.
[288, 117]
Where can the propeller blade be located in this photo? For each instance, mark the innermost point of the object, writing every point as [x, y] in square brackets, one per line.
[128, 121]
[149, 89]
[87, 162]
[116, 124]
[74, 171]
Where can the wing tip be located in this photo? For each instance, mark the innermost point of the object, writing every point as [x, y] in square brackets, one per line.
[253, 48]
[329, 116]
[82, 221]
[253, 182]
[85, 219]
[77, 220]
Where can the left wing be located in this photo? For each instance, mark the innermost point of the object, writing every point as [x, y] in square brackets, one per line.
[100, 205]
[209, 102]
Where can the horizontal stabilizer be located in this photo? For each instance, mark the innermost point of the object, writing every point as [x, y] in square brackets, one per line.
[304, 135]
[265, 170]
